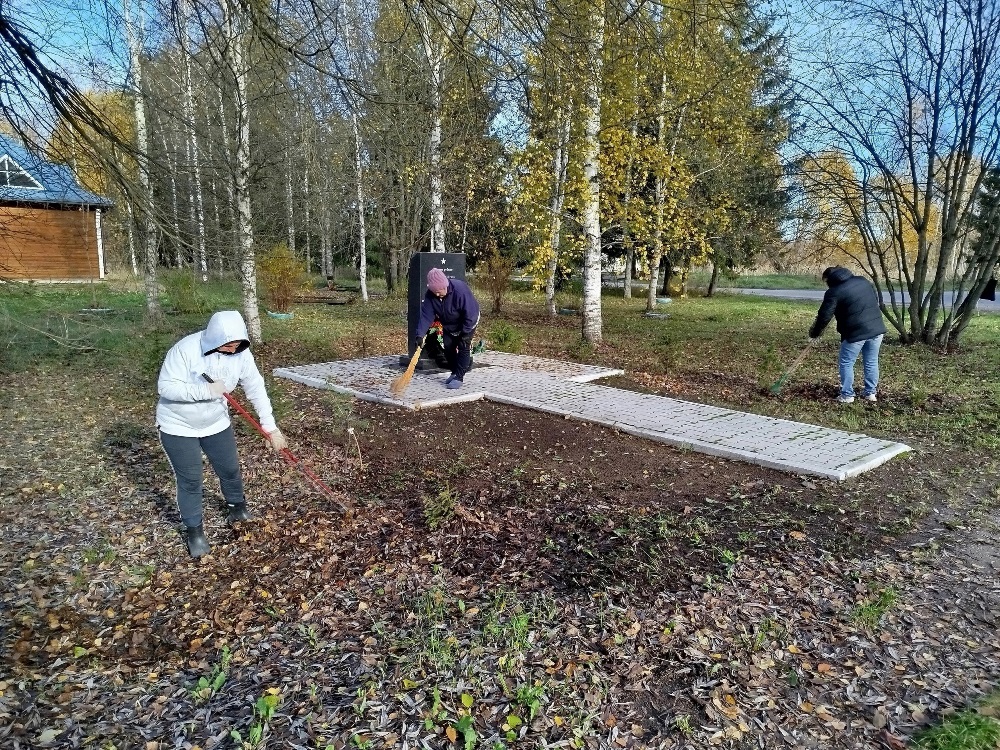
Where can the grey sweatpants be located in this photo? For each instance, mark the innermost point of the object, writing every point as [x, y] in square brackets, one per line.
[184, 454]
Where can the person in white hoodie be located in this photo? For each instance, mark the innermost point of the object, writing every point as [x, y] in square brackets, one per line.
[193, 417]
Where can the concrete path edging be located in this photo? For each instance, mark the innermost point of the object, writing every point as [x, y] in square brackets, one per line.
[566, 389]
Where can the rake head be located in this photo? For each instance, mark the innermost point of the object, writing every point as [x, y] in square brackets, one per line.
[778, 385]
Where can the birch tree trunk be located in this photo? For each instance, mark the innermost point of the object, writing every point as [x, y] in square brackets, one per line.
[130, 230]
[308, 217]
[656, 253]
[658, 197]
[591, 151]
[289, 190]
[560, 162]
[360, 196]
[238, 32]
[193, 146]
[134, 39]
[171, 160]
[435, 59]
[230, 175]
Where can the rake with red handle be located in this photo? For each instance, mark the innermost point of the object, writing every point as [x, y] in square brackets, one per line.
[285, 453]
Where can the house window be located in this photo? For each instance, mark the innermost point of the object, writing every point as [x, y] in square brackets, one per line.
[11, 175]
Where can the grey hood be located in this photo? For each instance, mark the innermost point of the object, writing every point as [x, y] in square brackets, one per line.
[225, 326]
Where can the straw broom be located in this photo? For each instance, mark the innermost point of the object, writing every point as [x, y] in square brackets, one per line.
[399, 384]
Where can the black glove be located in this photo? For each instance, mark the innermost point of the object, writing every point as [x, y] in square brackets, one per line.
[418, 342]
[465, 340]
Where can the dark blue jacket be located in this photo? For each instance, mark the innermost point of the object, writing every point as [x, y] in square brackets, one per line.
[852, 300]
[458, 310]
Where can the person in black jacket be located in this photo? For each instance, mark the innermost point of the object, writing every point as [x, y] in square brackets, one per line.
[853, 302]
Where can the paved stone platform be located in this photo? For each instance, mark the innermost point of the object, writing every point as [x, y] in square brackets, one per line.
[565, 388]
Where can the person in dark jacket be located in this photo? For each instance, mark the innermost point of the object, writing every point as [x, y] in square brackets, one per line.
[449, 314]
[853, 302]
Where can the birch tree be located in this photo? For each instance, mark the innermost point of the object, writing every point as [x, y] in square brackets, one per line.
[433, 46]
[237, 34]
[133, 35]
[590, 215]
[196, 198]
[910, 91]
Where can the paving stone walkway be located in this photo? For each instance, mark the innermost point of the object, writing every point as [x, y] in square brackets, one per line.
[565, 388]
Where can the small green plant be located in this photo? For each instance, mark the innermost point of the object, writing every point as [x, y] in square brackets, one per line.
[209, 685]
[184, 291]
[504, 337]
[870, 614]
[439, 509]
[764, 632]
[683, 725]
[918, 395]
[510, 726]
[143, 574]
[103, 554]
[281, 277]
[437, 712]
[728, 557]
[362, 702]
[263, 711]
[310, 634]
[469, 736]
[529, 697]
[431, 643]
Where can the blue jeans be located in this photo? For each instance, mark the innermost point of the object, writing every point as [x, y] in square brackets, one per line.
[849, 352]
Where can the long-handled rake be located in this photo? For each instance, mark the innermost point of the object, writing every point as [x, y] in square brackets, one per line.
[780, 382]
[285, 453]
[398, 385]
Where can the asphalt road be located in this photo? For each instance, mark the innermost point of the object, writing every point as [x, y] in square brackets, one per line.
[984, 305]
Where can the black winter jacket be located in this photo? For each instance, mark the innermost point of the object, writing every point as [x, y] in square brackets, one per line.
[852, 300]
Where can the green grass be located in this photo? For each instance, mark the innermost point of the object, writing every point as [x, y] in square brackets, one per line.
[724, 350]
[968, 730]
[699, 279]
[870, 614]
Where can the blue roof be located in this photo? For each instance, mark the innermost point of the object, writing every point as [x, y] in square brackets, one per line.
[27, 178]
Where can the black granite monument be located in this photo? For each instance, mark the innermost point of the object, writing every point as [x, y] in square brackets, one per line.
[453, 265]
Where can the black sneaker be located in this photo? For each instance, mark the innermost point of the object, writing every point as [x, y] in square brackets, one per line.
[238, 513]
[197, 542]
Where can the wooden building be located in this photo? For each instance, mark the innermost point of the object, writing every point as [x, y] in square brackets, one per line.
[50, 227]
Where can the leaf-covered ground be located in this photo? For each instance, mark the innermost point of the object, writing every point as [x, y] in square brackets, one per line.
[504, 579]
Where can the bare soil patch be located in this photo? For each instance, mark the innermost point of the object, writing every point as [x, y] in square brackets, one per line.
[532, 580]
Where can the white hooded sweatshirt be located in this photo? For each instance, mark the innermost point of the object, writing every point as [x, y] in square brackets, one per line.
[186, 406]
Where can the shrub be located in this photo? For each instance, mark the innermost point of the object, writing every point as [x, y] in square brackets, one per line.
[495, 277]
[281, 275]
[506, 338]
[184, 292]
[439, 509]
